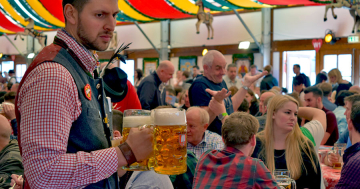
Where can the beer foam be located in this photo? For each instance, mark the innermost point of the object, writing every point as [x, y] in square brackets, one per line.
[136, 121]
[169, 116]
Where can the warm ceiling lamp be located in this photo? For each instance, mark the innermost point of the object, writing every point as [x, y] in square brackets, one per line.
[330, 37]
[204, 52]
[1, 55]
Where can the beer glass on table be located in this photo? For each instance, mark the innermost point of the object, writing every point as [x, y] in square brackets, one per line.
[170, 143]
[283, 179]
[339, 149]
[137, 119]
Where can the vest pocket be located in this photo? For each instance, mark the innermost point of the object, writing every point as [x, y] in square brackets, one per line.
[93, 113]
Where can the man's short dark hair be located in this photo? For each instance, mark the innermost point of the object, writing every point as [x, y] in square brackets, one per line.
[352, 99]
[320, 77]
[268, 68]
[197, 67]
[117, 119]
[78, 4]
[10, 96]
[317, 92]
[244, 106]
[340, 99]
[238, 129]
[355, 116]
[253, 66]
[231, 66]
[298, 80]
[326, 88]
[186, 74]
[11, 71]
[297, 65]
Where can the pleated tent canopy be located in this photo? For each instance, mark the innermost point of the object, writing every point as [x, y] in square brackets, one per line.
[48, 15]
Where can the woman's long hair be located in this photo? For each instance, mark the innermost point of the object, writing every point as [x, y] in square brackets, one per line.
[295, 142]
[335, 72]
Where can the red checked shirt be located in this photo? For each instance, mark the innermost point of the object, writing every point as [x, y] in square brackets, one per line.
[230, 168]
[49, 103]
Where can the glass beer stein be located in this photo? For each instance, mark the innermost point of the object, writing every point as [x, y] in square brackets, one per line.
[170, 142]
[283, 179]
[137, 119]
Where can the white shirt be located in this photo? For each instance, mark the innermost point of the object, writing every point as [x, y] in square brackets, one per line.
[237, 82]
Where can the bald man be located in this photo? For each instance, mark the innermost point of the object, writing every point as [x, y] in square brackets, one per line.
[10, 158]
[151, 90]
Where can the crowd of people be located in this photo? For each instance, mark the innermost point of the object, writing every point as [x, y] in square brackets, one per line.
[58, 123]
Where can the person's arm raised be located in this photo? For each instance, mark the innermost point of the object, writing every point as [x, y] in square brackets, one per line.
[313, 114]
[238, 98]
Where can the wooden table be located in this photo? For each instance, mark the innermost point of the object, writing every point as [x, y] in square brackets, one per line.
[331, 176]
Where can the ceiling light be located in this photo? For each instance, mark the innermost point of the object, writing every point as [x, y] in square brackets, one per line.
[244, 45]
[204, 52]
[31, 55]
[1, 55]
[330, 37]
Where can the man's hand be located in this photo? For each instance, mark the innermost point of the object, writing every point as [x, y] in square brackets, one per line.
[141, 143]
[332, 158]
[217, 107]
[219, 95]
[248, 80]
[18, 180]
[9, 111]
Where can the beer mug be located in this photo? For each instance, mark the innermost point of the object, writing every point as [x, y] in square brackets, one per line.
[137, 119]
[339, 149]
[283, 179]
[170, 142]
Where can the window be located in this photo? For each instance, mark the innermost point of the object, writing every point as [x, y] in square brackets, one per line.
[306, 60]
[7, 65]
[343, 62]
[128, 68]
[20, 71]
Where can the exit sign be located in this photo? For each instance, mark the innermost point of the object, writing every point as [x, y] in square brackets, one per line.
[353, 39]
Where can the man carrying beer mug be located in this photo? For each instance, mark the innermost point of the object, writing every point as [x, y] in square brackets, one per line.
[62, 111]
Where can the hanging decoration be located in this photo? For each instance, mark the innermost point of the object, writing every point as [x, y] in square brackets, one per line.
[205, 18]
[29, 30]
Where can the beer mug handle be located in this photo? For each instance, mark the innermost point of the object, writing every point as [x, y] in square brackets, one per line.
[293, 184]
[151, 126]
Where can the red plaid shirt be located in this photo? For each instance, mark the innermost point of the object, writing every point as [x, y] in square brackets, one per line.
[230, 168]
[48, 103]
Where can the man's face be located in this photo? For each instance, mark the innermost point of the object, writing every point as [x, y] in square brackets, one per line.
[298, 88]
[253, 71]
[296, 70]
[96, 24]
[231, 73]
[348, 107]
[263, 97]
[187, 101]
[166, 74]
[311, 100]
[195, 130]
[216, 71]
[195, 72]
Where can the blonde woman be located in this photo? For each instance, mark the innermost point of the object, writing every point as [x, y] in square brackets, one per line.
[282, 144]
[337, 82]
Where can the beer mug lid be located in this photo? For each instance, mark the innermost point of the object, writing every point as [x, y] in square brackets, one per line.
[169, 116]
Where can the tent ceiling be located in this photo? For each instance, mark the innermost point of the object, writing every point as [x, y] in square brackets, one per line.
[48, 14]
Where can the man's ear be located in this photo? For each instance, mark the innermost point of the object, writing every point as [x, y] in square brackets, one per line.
[71, 14]
[206, 126]
[116, 133]
[253, 140]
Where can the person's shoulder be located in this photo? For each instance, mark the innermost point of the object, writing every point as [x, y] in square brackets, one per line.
[213, 135]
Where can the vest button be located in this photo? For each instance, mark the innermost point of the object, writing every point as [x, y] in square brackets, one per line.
[99, 97]
[98, 86]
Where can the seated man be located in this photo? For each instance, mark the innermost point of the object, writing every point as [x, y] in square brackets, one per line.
[199, 138]
[327, 89]
[349, 173]
[10, 159]
[264, 99]
[233, 167]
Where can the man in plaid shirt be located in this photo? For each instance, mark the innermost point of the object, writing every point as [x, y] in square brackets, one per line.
[62, 111]
[198, 137]
[233, 167]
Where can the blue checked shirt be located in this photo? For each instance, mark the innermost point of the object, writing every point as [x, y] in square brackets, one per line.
[211, 141]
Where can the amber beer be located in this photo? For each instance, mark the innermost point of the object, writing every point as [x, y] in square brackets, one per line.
[170, 149]
[136, 119]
